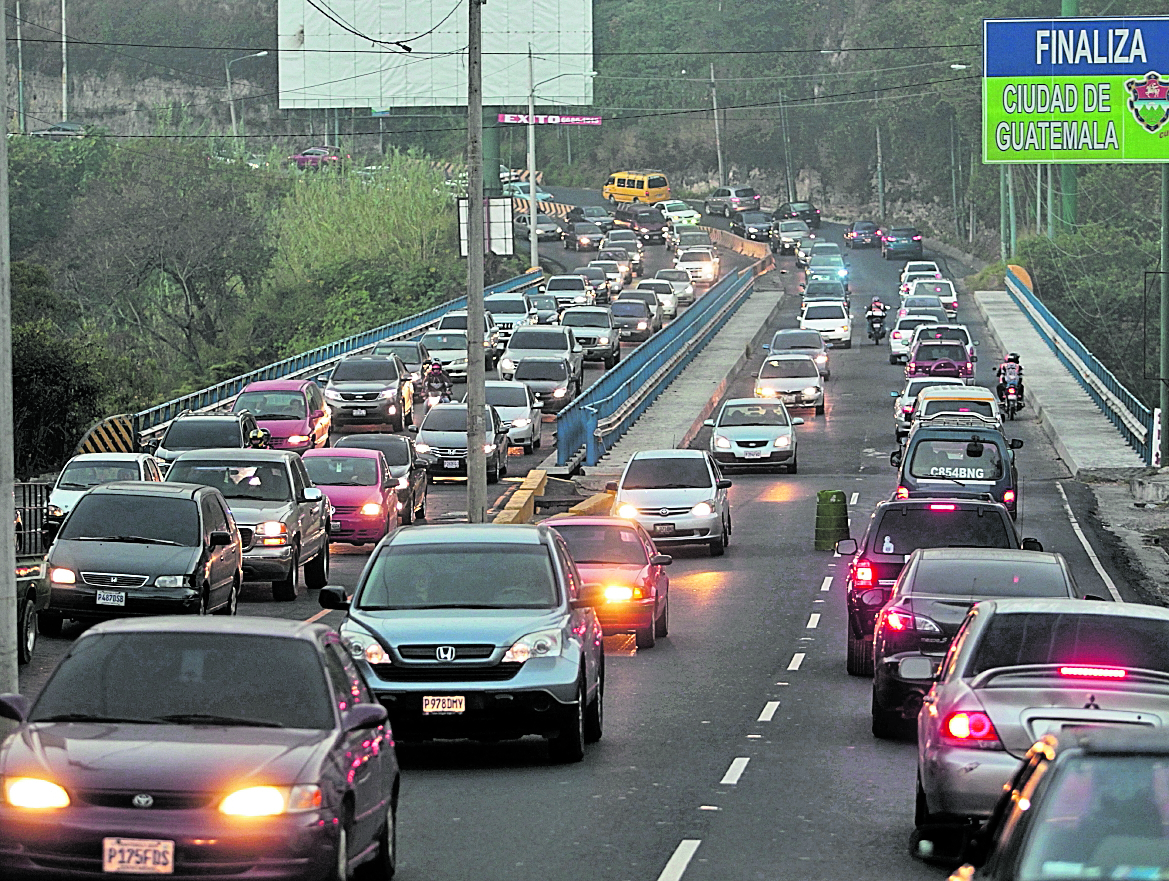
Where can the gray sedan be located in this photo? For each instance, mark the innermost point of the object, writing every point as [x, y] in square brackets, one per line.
[750, 431]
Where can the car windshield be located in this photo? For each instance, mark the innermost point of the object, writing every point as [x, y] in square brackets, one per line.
[565, 283]
[618, 256]
[788, 368]
[696, 257]
[657, 287]
[202, 434]
[342, 470]
[263, 482]
[272, 405]
[798, 339]
[649, 215]
[981, 408]
[506, 306]
[1102, 817]
[939, 352]
[608, 266]
[453, 576]
[675, 206]
[793, 226]
[672, 472]
[395, 449]
[593, 211]
[801, 206]
[628, 308]
[94, 472]
[734, 415]
[587, 229]
[192, 679]
[507, 396]
[372, 370]
[1014, 639]
[755, 217]
[956, 459]
[445, 419]
[989, 578]
[454, 322]
[903, 530]
[541, 370]
[825, 313]
[124, 517]
[679, 275]
[408, 352]
[617, 545]
[538, 339]
[444, 341]
[544, 303]
[572, 318]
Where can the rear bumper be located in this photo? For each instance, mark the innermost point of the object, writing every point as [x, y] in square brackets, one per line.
[963, 782]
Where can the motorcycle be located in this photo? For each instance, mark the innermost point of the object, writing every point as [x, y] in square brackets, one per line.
[877, 329]
[434, 397]
[1012, 402]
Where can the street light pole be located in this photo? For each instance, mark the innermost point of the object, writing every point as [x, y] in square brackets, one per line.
[533, 233]
[230, 96]
[718, 143]
[21, 123]
[64, 68]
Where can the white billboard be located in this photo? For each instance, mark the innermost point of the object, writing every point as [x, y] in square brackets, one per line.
[324, 64]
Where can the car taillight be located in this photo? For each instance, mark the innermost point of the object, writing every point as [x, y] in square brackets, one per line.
[917, 238]
[899, 621]
[971, 728]
[911, 366]
[902, 492]
[907, 408]
[969, 366]
[1009, 497]
[862, 574]
[1093, 672]
[896, 334]
[943, 507]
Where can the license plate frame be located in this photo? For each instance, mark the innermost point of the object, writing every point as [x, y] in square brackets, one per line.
[115, 853]
[663, 529]
[110, 597]
[450, 464]
[444, 704]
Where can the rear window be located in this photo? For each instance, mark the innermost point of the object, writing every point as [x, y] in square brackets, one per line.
[1012, 640]
[824, 313]
[788, 368]
[657, 181]
[916, 386]
[693, 238]
[945, 333]
[696, 257]
[668, 473]
[801, 206]
[801, 339]
[864, 226]
[342, 470]
[149, 519]
[833, 288]
[990, 578]
[591, 544]
[903, 530]
[910, 323]
[938, 352]
[902, 232]
[538, 339]
[541, 370]
[744, 193]
[936, 288]
[202, 434]
[630, 309]
[373, 370]
[923, 303]
[956, 460]
[565, 283]
[980, 408]
[396, 450]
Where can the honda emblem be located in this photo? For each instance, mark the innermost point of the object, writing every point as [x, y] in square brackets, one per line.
[445, 653]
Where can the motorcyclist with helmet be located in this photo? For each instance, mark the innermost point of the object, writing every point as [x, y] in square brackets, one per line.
[258, 438]
[875, 317]
[1010, 373]
[438, 383]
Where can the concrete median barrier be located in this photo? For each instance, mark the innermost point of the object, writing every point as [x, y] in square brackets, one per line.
[597, 505]
[521, 507]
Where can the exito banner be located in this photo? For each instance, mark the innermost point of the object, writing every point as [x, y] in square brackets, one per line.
[1076, 90]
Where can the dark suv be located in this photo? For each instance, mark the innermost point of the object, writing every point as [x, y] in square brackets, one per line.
[805, 211]
[137, 548]
[897, 529]
[861, 232]
[903, 242]
[648, 223]
[371, 389]
[753, 225]
[196, 431]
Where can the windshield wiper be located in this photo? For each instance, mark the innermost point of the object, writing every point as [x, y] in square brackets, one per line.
[276, 416]
[213, 719]
[90, 717]
[132, 539]
[668, 486]
[72, 486]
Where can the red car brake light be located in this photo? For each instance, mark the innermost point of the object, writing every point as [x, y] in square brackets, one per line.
[1008, 497]
[971, 729]
[902, 493]
[969, 366]
[862, 574]
[1094, 672]
[917, 238]
[899, 620]
[911, 367]
[943, 507]
[896, 334]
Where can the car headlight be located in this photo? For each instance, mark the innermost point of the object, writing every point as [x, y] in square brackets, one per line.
[488, 449]
[459, 362]
[702, 509]
[60, 575]
[522, 422]
[842, 272]
[506, 364]
[298, 438]
[722, 443]
[35, 794]
[627, 511]
[784, 440]
[541, 644]
[844, 328]
[54, 511]
[584, 240]
[170, 581]
[414, 377]
[332, 394]
[272, 533]
[268, 801]
[580, 298]
[752, 229]
[371, 509]
[764, 392]
[602, 341]
[616, 593]
[821, 359]
[387, 394]
[811, 391]
[421, 448]
[404, 482]
[642, 325]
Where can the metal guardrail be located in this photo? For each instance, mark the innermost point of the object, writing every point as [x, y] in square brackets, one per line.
[1124, 410]
[603, 412]
[155, 417]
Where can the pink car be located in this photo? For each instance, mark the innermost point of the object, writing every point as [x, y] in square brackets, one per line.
[358, 484]
[293, 411]
[316, 158]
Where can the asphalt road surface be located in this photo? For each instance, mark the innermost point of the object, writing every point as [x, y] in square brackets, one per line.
[737, 748]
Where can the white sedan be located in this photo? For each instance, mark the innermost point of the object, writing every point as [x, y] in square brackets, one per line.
[831, 318]
[679, 213]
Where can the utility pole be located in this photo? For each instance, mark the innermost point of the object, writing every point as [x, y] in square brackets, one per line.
[21, 124]
[533, 233]
[954, 179]
[718, 143]
[64, 68]
[880, 180]
[9, 682]
[476, 373]
[1038, 200]
[1068, 184]
[787, 152]
[1164, 372]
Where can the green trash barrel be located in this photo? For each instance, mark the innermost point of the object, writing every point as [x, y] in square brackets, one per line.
[831, 518]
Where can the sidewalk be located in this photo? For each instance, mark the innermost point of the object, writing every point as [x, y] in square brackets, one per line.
[677, 415]
[1083, 436]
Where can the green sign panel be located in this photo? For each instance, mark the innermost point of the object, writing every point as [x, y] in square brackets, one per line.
[1076, 90]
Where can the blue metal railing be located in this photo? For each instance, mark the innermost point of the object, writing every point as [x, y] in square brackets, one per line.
[576, 424]
[229, 388]
[1126, 399]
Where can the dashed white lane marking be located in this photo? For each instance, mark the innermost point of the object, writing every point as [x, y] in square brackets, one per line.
[826, 584]
[681, 857]
[735, 771]
[813, 621]
[797, 659]
[1108, 582]
[855, 496]
[768, 713]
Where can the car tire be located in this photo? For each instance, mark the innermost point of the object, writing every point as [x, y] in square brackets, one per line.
[921, 809]
[646, 637]
[706, 208]
[568, 744]
[662, 625]
[887, 724]
[316, 570]
[204, 602]
[819, 409]
[284, 590]
[493, 474]
[538, 441]
[859, 658]
[383, 866]
[794, 466]
[892, 359]
[231, 607]
[595, 713]
[26, 630]
[420, 514]
[529, 447]
[407, 514]
[718, 546]
[340, 869]
[848, 344]
[49, 624]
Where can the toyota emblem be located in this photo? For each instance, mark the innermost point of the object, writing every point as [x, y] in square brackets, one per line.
[445, 653]
[664, 511]
[142, 800]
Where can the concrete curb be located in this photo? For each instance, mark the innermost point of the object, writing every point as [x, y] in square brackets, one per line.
[598, 504]
[521, 506]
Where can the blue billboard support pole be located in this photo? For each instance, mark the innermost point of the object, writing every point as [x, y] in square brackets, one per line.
[1068, 183]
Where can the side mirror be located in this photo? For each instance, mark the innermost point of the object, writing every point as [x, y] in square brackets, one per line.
[708, 422]
[976, 342]
[412, 428]
[312, 494]
[799, 420]
[364, 716]
[1015, 443]
[1092, 596]
[333, 598]
[661, 560]
[973, 357]
[916, 668]
[894, 394]
[766, 347]
[14, 707]
[150, 446]
[1031, 544]
[220, 539]
[317, 414]
[322, 378]
[611, 486]
[846, 547]
[590, 595]
[895, 458]
[722, 484]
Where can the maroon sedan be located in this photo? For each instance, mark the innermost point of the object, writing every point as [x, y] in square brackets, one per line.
[316, 158]
[931, 357]
[199, 748]
[619, 555]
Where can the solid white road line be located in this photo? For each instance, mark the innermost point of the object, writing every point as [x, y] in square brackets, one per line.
[813, 621]
[768, 713]
[1108, 582]
[681, 858]
[318, 616]
[826, 583]
[855, 496]
[734, 772]
[797, 659]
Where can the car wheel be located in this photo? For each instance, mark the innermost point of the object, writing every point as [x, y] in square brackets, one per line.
[407, 514]
[567, 745]
[316, 570]
[706, 208]
[503, 462]
[231, 607]
[819, 409]
[848, 344]
[340, 871]
[794, 466]
[493, 473]
[284, 590]
[420, 514]
[887, 724]
[717, 546]
[892, 359]
[859, 660]
[383, 866]
[662, 626]
[49, 625]
[204, 601]
[26, 630]
[921, 808]
[529, 447]
[646, 637]
[595, 714]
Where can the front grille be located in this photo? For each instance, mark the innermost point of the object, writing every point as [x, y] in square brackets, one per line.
[657, 512]
[113, 579]
[163, 801]
[751, 445]
[446, 673]
[450, 452]
[345, 509]
[478, 651]
[246, 534]
[359, 396]
[586, 341]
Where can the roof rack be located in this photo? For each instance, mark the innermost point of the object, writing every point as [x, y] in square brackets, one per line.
[947, 418]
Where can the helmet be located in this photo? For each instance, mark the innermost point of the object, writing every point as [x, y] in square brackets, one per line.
[877, 300]
[257, 437]
[436, 366]
[1013, 357]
